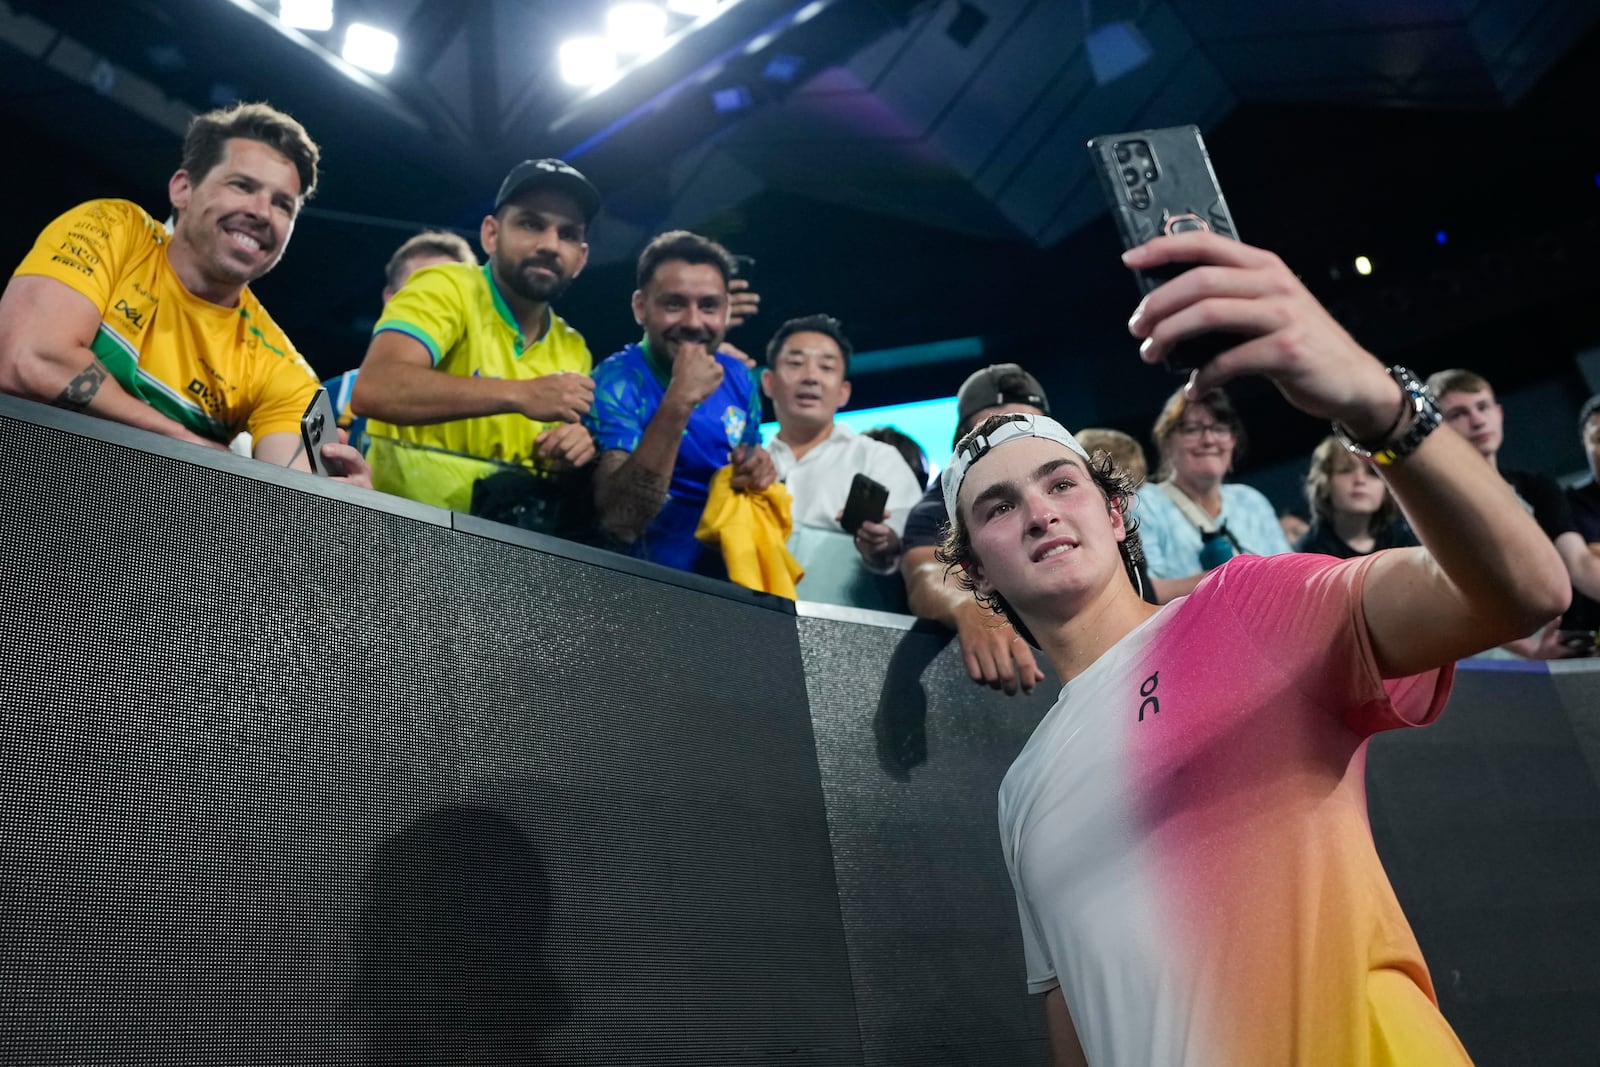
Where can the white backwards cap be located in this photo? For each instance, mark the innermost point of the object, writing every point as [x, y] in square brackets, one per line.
[978, 445]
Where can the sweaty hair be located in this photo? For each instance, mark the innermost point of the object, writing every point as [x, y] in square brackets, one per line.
[688, 247]
[955, 548]
[1457, 380]
[427, 243]
[1319, 486]
[826, 325]
[208, 136]
[1166, 424]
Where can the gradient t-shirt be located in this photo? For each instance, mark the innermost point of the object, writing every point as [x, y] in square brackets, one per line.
[1187, 834]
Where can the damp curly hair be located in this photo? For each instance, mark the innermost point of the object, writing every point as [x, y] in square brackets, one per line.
[1115, 485]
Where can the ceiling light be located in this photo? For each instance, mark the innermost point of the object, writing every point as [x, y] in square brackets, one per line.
[587, 60]
[1363, 266]
[693, 8]
[306, 14]
[636, 27]
[370, 48]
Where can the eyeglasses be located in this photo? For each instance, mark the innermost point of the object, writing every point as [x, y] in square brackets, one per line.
[1191, 430]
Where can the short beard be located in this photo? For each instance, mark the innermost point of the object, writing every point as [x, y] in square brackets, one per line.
[511, 275]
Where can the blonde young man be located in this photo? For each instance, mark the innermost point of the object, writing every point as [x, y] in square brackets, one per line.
[1192, 740]
[115, 315]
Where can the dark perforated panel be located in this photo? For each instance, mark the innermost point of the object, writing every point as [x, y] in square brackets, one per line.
[1489, 824]
[287, 780]
[912, 757]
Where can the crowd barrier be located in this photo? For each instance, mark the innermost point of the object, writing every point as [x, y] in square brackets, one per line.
[295, 773]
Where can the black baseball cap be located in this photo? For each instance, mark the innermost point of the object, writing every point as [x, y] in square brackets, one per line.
[996, 386]
[550, 174]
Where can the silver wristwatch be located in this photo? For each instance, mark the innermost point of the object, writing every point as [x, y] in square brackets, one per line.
[1426, 417]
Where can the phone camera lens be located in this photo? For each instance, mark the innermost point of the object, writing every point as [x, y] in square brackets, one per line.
[1130, 175]
[1141, 198]
[1123, 154]
[1142, 148]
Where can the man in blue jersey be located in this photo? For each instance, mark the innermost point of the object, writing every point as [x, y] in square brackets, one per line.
[670, 411]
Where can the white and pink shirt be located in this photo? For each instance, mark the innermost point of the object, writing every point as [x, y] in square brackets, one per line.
[1187, 834]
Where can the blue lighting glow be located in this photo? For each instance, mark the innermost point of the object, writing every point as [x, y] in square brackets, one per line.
[1440, 237]
[733, 98]
[931, 423]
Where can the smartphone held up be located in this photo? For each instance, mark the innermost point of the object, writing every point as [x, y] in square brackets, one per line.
[1158, 183]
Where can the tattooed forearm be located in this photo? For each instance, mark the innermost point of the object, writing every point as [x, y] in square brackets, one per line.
[80, 392]
[629, 496]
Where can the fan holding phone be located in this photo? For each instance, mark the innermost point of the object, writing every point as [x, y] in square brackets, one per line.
[842, 482]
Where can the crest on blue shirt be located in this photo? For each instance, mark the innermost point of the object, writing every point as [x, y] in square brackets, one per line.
[733, 422]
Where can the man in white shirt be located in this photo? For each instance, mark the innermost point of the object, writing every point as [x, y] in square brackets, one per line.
[807, 378]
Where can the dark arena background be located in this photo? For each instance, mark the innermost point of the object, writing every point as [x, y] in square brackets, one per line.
[296, 774]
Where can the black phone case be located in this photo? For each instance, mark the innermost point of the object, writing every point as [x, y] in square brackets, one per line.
[864, 504]
[318, 426]
[1161, 182]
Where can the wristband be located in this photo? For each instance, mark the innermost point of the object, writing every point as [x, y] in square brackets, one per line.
[1426, 417]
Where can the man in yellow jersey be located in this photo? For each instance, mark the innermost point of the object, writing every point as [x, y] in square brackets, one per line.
[470, 374]
[114, 315]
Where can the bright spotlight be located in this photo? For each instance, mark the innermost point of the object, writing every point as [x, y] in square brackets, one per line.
[306, 14]
[1363, 266]
[370, 48]
[636, 27]
[692, 8]
[587, 60]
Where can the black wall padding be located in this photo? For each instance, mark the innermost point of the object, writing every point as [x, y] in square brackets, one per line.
[912, 755]
[1489, 824]
[288, 780]
[291, 773]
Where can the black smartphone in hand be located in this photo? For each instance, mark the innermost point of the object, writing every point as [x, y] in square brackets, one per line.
[318, 426]
[865, 503]
[1157, 183]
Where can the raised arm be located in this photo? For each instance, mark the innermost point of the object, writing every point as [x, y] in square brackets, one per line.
[994, 654]
[631, 487]
[1486, 574]
[46, 329]
[399, 384]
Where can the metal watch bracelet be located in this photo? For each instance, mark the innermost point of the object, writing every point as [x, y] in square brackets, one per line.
[1426, 418]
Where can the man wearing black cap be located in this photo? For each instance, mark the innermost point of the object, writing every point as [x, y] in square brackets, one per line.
[993, 652]
[469, 372]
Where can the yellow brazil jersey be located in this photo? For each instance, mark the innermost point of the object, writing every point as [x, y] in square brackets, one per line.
[216, 370]
[457, 313]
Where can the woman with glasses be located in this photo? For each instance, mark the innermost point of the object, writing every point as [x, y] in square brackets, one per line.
[1352, 513]
[1190, 519]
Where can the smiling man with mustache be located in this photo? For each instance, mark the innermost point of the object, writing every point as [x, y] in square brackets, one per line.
[470, 373]
[671, 411]
[115, 315]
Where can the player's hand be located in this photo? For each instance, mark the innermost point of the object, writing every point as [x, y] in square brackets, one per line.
[743, 302]
[753, 469]
[696, 374]
[566, 446]
[346, 464]
[995, 655]
[560, 397]
[1288, 336]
